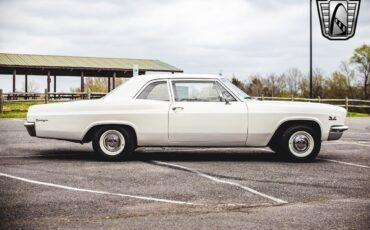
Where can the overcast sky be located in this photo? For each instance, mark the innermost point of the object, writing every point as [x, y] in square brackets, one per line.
[241, 37]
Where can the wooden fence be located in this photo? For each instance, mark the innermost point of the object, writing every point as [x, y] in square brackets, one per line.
[23, 97]
[46, 97]
[346, 102]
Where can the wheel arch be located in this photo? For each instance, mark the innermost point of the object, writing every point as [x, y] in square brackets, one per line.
[313, 123]
[89, 131]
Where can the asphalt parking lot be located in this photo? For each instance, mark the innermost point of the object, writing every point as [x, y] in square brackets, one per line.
[57, 184]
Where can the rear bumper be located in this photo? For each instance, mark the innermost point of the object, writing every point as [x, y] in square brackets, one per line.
[30, 126]
[336, 132]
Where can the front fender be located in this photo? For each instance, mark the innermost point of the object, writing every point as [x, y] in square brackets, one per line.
[260, 133]
[297, 118]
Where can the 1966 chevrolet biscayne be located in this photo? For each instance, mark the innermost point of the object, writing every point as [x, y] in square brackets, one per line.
[188, 110]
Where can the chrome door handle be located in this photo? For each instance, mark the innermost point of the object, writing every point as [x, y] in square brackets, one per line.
[177, 108]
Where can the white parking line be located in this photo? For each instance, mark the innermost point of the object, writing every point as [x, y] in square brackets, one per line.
[222, 181]
[346, 143]
[17, 119]
[345, 163]
[355, 133]
[96, 191]
[48, 155]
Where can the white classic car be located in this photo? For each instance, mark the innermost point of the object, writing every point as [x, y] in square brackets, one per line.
[188, 110]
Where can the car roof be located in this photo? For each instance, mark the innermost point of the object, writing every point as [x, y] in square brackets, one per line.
[178, 75]
[132, 86]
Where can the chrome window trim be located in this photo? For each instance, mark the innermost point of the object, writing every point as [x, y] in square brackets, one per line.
[216, 80]
[150, 82]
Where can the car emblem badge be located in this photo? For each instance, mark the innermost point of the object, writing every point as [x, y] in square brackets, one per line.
[338, 18]
[41, 120]
[332, 118]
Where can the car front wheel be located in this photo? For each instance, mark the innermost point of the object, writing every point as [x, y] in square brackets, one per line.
[300, 143]
[113, 143]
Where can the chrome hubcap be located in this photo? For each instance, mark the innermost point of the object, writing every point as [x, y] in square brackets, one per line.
[301, 143]
[112, 142]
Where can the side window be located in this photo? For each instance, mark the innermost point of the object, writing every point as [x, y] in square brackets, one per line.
[155, 91]
[200, 91]
[225, 93]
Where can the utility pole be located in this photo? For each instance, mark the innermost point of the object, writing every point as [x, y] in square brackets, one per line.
[311, 95]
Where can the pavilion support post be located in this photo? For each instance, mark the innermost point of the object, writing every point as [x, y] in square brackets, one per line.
[108, 84]
[48, 82]
[26, 83]
[46, 96]
[14, 76]
[114, 80]
[82, 89]
[55, 83]
[55, 86]
[1, 102]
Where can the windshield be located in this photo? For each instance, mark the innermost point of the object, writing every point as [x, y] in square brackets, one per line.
[235, 89]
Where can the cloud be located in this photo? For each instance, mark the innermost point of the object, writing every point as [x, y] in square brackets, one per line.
[200, 36]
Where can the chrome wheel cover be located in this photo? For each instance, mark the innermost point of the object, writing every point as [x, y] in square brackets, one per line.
[301, 144]
[112, 142]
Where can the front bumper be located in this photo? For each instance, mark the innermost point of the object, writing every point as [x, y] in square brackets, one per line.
[336, 132]
[30, 126]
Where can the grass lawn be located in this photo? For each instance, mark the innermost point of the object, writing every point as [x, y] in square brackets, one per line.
[19, 110]
[354, 114]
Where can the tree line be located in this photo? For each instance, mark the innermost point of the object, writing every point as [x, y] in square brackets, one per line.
[350, 80]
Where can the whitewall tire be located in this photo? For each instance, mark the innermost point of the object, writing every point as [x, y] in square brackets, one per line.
[300, 143]
[113, 143]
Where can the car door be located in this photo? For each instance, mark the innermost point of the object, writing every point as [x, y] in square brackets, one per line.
[199, 114]
[150, 113]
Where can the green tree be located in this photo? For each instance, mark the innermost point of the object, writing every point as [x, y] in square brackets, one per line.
[337, 86]
[361, 58]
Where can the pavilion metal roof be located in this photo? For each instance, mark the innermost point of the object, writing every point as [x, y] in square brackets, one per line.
[74, 62]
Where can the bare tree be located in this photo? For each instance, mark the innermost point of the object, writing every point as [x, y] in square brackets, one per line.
[293, 79]
[349, 74]
[32, 86]
[272, 84]
[97, 84]
[238, 83]
[304, 87]
[281, 83]
[256, 86]
[318, 83]
[347, 71]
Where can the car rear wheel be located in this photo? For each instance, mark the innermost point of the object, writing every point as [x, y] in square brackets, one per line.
[300, 143]
[113, 143]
